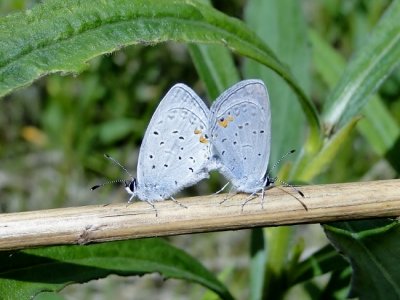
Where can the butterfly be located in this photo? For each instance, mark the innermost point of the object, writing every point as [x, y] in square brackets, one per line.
[175, 152]
[240, 135]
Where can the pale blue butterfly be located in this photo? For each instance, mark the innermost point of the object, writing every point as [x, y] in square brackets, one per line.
[240, 135]
[175, 152]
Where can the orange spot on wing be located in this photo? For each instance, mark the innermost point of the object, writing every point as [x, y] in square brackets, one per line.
[224, 122]
[203, 139]
[197, 131]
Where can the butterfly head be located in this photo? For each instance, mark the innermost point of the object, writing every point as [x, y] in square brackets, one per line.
[130, 186]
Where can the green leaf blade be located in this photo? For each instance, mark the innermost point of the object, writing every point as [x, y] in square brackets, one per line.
[29, 272]
[366, 72]
[58, 36]
[378, 126]
[215, 66]
[373, 249]
[295, 51]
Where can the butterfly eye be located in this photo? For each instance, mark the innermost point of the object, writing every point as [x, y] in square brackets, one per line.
[132, 185]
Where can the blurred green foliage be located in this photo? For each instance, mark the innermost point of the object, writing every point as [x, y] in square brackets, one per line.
[54, 134]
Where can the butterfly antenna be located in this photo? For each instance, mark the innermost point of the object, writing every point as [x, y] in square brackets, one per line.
[108, 182]
[279, 161]
[271, 180]
[294, 188]
[116, 162]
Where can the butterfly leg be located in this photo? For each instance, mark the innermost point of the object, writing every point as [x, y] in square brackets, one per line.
[177, 202]
[153, 206]
[129, 201]
[262, 198]
[230, 195]
[248, 199]
[220, 190]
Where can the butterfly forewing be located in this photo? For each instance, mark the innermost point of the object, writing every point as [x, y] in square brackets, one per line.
[241, 133]
[174, 151]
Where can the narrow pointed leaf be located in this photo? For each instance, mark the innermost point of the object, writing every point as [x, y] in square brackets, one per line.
[288, 126]
[257, 263]
[323, 261]
[215, 66]
[378, 126]
[366, 71]
[326, 155]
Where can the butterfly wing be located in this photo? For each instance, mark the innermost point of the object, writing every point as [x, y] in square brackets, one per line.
[240, 126]
[174, 152]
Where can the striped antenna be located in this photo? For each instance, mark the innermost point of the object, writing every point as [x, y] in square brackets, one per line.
[295, 189]
[108, 182]
[279, 160]
[271, 180]
[116, 162]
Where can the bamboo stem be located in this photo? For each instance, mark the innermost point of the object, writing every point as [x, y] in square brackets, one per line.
[97, 223]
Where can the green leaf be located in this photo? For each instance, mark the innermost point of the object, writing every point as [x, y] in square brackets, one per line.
[366, 71]
[28, 272]
[378, 126]
[61, 36]
[257, 263]
[326, 155]
[215, 66]
[373, 248]
[338, 285]
[323, 261]
[278, 247]
[288, 126]
[49, 296]
[117, 129]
